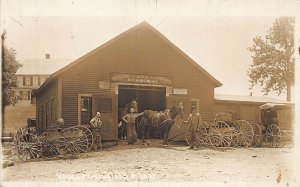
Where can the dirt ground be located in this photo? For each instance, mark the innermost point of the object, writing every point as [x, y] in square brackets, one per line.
[156, 163]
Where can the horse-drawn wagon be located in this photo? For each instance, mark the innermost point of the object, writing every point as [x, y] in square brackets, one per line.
[56, 141]
[223, 132]
[275, 128]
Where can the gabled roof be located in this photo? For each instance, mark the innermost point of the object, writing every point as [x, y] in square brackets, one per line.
[143, 24]
[41, 66]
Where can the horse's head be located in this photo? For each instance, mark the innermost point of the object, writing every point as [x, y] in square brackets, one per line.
[177, 109]
[131, 104]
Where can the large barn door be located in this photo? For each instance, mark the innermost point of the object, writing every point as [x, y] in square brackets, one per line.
[106, 105]
[178, 129]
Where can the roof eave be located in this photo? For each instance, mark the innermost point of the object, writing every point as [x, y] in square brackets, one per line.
[57, 73]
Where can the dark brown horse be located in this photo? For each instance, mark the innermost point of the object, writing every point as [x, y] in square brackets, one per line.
[163, 119]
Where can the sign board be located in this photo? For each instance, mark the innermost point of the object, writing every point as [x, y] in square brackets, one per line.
[140, 79]
[104, 84]
[180, 91]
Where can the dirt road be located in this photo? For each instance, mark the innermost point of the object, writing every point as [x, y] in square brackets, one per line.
[155, 163]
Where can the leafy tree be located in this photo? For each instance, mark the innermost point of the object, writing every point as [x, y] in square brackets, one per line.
[9, 68]
[273, 62]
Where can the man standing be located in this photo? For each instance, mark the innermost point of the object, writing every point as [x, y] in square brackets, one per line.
[129, 119]
[97, 123]
[195, 121]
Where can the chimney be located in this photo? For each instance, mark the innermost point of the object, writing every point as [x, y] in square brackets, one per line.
[47, 56]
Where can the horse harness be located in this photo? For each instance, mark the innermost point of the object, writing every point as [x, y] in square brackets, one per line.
[165, 114]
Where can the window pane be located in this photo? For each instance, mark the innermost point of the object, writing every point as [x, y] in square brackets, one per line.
[85, 109]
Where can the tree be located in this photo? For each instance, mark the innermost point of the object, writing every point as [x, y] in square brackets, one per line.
[9, 80]
[273, 62]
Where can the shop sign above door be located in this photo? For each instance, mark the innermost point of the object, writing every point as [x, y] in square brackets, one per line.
[140, 79]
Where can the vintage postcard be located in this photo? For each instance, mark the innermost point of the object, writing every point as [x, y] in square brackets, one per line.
[150, 92]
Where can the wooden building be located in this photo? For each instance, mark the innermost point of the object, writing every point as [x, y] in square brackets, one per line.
[242, 107]
[139, 63]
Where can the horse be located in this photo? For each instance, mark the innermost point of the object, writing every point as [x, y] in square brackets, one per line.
[162, 119]
[122, 129]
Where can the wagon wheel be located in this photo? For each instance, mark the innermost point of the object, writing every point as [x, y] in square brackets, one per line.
[243, 133]
[273, 136]
[49, 147]
[257, 138]
[203, 138]
[89, 135]
[220, 134]
[29, 146]
[73, 141]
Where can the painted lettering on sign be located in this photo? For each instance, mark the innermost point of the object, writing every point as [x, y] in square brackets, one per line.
[141, 79]
[180, 91]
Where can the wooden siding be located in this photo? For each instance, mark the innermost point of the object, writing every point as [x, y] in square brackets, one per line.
[139, 52]
[47, 107]
[248, 112]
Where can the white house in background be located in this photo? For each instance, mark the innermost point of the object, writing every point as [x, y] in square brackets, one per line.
[33, 74]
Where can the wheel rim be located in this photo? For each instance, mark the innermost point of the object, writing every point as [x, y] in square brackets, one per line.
[220, 134]
[273, 135]
[202, 137]
[89, 135]
[257, 137]
[73, 141]
[29, 147]
[243, 133]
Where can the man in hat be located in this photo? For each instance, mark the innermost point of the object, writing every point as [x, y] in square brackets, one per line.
[97, 123]
[195, 121]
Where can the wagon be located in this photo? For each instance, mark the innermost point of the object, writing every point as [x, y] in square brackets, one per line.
[275, 128]
[67, 142]
[223, 132]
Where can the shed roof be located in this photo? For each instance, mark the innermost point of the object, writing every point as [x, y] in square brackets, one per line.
[246, 99]
[144, 25]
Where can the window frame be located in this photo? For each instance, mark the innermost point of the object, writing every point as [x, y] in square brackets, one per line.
[79, 105]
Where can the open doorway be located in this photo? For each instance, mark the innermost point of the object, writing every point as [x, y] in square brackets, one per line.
[147, 97]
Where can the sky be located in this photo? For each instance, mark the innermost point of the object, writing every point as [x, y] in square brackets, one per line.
[216, 34]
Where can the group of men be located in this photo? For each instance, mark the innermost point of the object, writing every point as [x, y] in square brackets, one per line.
[194, 120]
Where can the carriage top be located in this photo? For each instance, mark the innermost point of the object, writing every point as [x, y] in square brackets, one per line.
[275, 106]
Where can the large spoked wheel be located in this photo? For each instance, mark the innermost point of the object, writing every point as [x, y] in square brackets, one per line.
[220, 134]
[89, 135]
[72, 142]
[273, 136]
[243, 133]
[49, 146]
[257, 137]
[203, 138]
[29, 147]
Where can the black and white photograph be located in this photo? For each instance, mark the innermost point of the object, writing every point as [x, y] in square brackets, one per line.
[150, 93]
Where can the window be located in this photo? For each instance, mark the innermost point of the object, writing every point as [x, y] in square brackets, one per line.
[27, 80]
[42, 118]
[39, 122]
[47, 114]
[41, 80]
[85, 109]
[51, 110]
[25, 95]
[195, 102]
